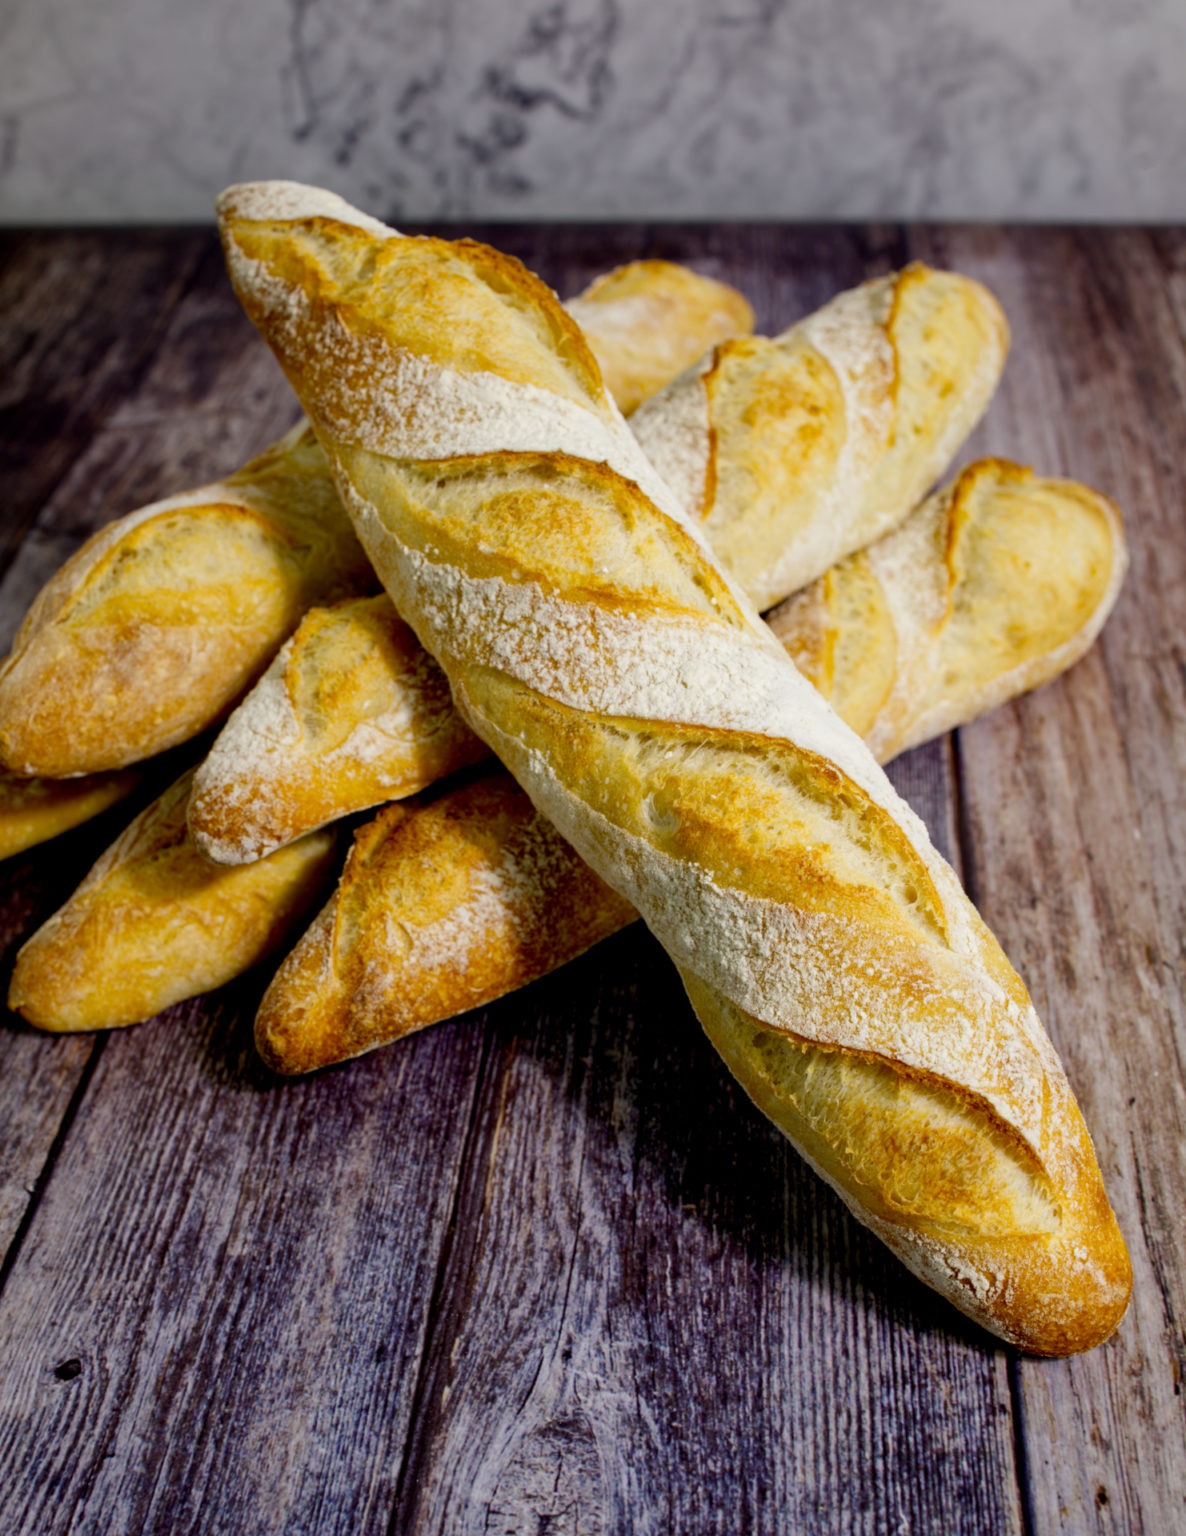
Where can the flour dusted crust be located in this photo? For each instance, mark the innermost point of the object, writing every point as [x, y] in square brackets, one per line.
[352, 712]
[154, 922]
[797, 450]
[997, 583]
[830, 953]
[442, 907]
[990, 587]
[152, 629]
[649, 320]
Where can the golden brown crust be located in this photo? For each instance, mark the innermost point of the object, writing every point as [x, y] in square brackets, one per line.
[799, 449]
[154, 922]
[352, 712]
[819, 913]
[442, 907]
[649, 320]
[34, 810]
[150, 631]
[996, 584]
[153, 629]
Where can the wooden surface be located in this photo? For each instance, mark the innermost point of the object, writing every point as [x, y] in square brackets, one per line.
[544, 1269]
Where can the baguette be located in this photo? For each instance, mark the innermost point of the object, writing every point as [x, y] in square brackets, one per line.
[155, 626]
[352, 712]
[989, 588]
[154, 922]
[793, 452]
[34, 810]
[994, 585]
[152, 630]
[593, 643]
[441, 907]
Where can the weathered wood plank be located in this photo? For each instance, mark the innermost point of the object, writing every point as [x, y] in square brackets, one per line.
[198, 397]
[215, 1317]
[84, 312]
[652, 1316]
[1076, 812]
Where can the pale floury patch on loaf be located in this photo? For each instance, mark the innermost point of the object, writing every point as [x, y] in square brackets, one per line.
[739, 846]
[752, 459]
[352, 712]
[994, 585]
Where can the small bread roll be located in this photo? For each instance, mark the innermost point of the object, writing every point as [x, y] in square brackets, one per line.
[154, 923]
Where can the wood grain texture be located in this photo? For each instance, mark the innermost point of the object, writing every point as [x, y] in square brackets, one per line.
[544, 1269]
[213, 1319]
[84, 314]
[112, 346]
[1076, 815]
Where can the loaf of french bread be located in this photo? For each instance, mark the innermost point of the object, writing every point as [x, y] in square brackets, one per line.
[794, 451]
[442, 906]
[351, 713]
[159, 622]
[154, 922]
[592, 641]
[154, 628]
[997, 583]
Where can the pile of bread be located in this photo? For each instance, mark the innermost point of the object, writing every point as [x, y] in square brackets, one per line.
[464, 550]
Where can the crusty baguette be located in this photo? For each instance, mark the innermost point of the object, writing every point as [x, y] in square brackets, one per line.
[34, 810]
[158, 623]
[993, 585]
[154, 922]
[989, 588]
[155, 626]
[441, 907]
[795, 451]
[996, 584]
[649, 320]
[591, 640]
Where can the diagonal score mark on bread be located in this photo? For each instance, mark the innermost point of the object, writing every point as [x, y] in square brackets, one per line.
[978, 1177]
[375, 388]
[154, 627]
[791, 451]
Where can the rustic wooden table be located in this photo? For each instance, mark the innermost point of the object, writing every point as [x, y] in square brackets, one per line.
[544, 1269]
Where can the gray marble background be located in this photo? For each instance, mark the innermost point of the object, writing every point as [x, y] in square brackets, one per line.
[116, 110]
